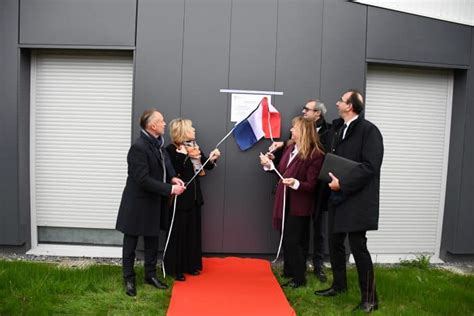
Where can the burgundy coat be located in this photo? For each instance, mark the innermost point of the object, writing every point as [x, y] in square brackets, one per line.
[301, 201]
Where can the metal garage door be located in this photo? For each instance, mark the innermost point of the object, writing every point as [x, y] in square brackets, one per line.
[412, 108]
[81, 107]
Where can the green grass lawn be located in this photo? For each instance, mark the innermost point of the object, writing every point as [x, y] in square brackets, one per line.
[30, 288]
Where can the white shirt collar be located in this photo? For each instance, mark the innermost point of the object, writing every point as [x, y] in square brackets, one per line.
[351, 120]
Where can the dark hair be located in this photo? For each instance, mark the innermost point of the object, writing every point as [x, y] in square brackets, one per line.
[356, 100]
[146, 116]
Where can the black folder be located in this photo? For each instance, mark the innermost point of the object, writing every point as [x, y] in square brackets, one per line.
[337, 165]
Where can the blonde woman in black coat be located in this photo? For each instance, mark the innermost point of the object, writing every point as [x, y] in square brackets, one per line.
[184, 253]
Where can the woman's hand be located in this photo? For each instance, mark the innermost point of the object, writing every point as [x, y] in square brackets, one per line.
[215, 154]
[275, 146]
[289, 182]
[265, 160]
[182, 150]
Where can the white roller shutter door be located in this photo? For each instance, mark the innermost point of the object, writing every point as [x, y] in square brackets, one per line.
[81, 107]
[412, 108]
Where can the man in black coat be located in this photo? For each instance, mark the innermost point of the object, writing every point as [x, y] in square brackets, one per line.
[315, 110]
[151, 180]
[353, 206]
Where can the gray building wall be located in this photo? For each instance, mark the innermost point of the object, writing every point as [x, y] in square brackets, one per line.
[185, 51]
[12, 231]
[71, 22]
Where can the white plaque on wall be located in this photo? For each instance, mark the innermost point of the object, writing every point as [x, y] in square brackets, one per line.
[243, 104]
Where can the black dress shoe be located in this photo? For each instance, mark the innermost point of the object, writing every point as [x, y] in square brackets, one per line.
[130, 288]
[156, 283]
[180, 277]
[366, 307]
[320, 275]
[329, 292]
[293, 284]
[195, 272]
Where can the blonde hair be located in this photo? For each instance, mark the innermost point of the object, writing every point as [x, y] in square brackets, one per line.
[308, 141]
[178, 129]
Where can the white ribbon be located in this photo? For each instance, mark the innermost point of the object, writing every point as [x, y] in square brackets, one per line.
[283, 216]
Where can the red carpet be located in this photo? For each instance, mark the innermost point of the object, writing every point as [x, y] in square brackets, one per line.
[230, 286]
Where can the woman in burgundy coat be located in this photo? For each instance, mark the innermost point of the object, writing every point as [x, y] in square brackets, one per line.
[299, 165]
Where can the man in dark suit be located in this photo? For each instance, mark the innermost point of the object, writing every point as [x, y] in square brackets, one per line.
[151, 179]
[353, 207]
[315, 111]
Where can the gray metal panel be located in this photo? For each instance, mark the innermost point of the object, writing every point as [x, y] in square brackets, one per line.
[400, 36]
[71, 22]
[463, 242]
[24, 194]
[205, 71]
[298, 60]
[248, 199]
[81, 236]
[343, 61]
[158, 58]
[298, 63]
[455, 170]
[10, 233]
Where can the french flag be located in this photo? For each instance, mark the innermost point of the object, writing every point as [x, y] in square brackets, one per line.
[264, 121]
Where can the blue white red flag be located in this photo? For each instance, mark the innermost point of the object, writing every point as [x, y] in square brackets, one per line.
[264, 121]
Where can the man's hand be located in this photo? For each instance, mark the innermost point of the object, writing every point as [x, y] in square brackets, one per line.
[177, 181]
[177, 189]
[275, 146]
[215, 154]
[334, 184]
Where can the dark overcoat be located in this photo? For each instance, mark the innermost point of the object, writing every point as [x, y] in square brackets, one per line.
[356, 205]
[146, 194]
[322, 189]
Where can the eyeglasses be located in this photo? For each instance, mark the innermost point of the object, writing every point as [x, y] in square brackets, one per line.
[305, 108]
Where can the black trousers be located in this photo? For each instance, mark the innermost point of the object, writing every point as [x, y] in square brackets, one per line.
[128, 256]
[363, 261]
[318, 239]
[295, 239]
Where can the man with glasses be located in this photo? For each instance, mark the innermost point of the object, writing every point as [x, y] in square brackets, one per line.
[151, 180]
[353, 206]
[315, 110]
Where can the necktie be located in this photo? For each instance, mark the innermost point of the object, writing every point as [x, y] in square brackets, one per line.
[343, 129]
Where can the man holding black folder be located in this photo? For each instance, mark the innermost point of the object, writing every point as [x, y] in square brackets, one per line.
[353, 206]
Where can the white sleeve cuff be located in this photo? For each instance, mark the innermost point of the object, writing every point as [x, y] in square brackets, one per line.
[295, 185]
